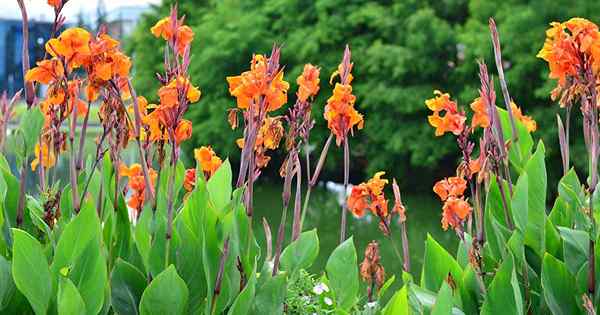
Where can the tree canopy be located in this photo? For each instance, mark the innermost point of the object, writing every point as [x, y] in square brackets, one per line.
[402, 51]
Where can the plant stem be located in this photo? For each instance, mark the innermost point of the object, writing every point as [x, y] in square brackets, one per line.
[346, 175]
[72, 162]
[296, 228]
[219, 279]
[405, 248]
[171, 193]
[82, 136]
[22, 183]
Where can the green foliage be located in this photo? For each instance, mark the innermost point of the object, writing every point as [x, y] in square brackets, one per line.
[403, 50]
[342, 273]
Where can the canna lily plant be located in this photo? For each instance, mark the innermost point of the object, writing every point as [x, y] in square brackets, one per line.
[150, 236]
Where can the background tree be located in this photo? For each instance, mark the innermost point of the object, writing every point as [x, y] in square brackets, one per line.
[403, 50]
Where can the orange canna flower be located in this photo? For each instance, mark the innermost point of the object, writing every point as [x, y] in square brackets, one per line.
[189, 181]
[369, 196]
[256, 84]
[55, 3]
[73, 44]
[529, 123]
[452, 121]
[137, 184]
[308, 82]
[480, 114]
[165, 28]
[44, 156]
[183, 131]
[455, 211]
[340, 113]
[169, 94]
[450, 187]
[207, 159]
[46, 72]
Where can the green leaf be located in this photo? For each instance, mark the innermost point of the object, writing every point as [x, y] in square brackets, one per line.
[504, 295]
[243, 303]
[575, 248]
[301, 253]
[127, 285]
[398, 304]
[520, 204]
[69, 301]
[31, 125]
[7, 285]
[219, 186]
[342, 272]
[30, 271]
[166, 294]
[270, 296]
[443, 301]
[437, 263]
[518, 155]
[536, 215]
[559, 286]
[386, 285]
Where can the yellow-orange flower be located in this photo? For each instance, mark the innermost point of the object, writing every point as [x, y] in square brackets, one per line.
[44, 155]
[189, 181]
[452, 121]
[165, 28]
[340, 113]
[137, 183]
[73, 44]
[529, 123]
[46, 72]
[369, 196]
[207, 159]
[480, 114]
[450, 187]
[55, 3]
[308, 82]
[169, 94]
[183, 131]
[455, 211]
[256, 84]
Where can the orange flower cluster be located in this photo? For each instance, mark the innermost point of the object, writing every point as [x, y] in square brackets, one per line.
[369, 196]
[568, 46]
[268, 138]
[339, 112]
[137, 184]
[55, 3]
[44, 155]
[308, 82]
[482, 119]
[207, 159]
[456, 209]
[180, 36]
[452, 121]
[258, 85]
[189, 181]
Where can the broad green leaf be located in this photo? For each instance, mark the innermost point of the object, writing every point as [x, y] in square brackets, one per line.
[536, 215]
[69, 301]
[219, 186]
[559, 287]
[7, 285]
[386, 285]
[437, 263]
[504, 295]
[520, 203]
[301, 253]
[30, 271]
[166, 294]
[427, 299]
[270, 296]
[575, 248]
[518, 154]
[342, 272]
[243, 303]
[127, 285]
[31, 125]
[443, 301]
[398, 304]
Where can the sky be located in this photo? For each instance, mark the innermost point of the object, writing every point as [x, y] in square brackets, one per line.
[40, 10]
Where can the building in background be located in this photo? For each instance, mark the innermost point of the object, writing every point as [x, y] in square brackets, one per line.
[121, 21]
[11, 45]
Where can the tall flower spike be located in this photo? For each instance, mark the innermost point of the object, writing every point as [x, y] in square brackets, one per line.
[339, 112]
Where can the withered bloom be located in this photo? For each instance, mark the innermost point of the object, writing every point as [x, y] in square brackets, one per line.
[371, 270]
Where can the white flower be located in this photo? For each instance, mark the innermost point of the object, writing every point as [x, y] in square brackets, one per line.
[320, 288]
[372, 304]
[328, 301]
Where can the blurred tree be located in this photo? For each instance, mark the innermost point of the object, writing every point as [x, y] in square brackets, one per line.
[402, 51]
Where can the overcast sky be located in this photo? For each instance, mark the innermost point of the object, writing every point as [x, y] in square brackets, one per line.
[39, 9]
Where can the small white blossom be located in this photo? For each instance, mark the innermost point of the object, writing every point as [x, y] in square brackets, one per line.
[328, 301]
[320, 288]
